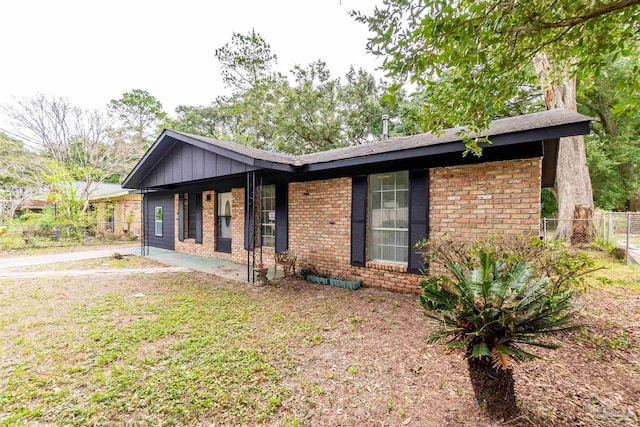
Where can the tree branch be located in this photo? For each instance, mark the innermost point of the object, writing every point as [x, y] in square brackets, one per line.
[572, 22]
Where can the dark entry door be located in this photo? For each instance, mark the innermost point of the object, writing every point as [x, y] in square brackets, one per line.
[223, 233]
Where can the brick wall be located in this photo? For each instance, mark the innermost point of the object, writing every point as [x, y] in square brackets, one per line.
[320, 223]
[129, 204]
[121, 207]
[209, 217]
[320, 233]
[466, 202]
[478, 201]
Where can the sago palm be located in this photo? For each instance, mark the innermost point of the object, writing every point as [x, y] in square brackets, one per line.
[492, 314]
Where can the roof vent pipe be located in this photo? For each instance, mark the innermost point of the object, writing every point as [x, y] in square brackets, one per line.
[385, 126]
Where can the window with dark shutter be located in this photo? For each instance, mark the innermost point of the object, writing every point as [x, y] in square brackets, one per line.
[418, 216]
[389, 217]
[181, 217]
[282, 217]
[359, 221]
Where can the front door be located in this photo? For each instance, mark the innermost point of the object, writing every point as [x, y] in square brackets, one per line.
[223, 234]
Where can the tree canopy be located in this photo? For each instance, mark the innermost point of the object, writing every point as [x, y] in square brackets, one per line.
[474, 56]
[138, 114]
[304, 111]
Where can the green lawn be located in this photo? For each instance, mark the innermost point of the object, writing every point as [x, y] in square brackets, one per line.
[188, 348]
[162, 358]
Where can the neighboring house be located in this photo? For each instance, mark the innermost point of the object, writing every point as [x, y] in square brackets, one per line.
[356, 211]
[35, 205]
[119, 210]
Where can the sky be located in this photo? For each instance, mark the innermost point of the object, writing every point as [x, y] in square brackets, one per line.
[93, 51]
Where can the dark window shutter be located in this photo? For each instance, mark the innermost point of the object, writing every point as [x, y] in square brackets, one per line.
[181, 217]
[418, 216]
[282, 217]
[359, 221]
[198, 217]
[191, 206]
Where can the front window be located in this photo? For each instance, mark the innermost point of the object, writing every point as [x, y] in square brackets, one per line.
[158, 220]
[268, 216]
[389, 217]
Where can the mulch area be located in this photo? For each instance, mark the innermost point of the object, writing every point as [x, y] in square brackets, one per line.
[373, 366]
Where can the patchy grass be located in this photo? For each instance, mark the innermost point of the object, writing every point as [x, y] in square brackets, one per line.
[613, 273]
[185, 351]
[195, 349]
[95, 263]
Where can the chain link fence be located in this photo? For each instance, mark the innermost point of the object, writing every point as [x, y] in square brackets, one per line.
[610, 229]
[24, 235]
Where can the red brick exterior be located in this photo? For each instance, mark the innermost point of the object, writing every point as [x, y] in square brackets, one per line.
[478, 201]
[466, 202]
[209, 219]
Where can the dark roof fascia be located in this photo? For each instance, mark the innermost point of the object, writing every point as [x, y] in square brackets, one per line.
[559, 131]
[218, 184]
[524, 150]
[504, 139]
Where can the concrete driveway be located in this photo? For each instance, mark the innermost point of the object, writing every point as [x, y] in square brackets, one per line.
[29, 260]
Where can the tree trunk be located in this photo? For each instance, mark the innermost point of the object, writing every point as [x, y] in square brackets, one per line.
[493, 389]
[572, 185]
[583, 229]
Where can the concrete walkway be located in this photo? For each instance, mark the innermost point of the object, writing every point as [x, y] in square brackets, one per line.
[90, 272]
[217, 267]
[29, 260]
[178, 261]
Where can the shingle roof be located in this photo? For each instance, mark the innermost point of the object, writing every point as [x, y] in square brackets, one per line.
[507, 125]
[256, 153]
[498, 127]
[100, 190]
[545, 125]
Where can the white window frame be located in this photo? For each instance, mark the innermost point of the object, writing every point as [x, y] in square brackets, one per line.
[263, 211]
[398, 246]
[158, 209]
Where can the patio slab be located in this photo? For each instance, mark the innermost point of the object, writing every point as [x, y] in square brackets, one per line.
[217, 267]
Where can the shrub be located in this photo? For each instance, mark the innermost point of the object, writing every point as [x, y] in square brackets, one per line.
[493, 307]
[565, 268]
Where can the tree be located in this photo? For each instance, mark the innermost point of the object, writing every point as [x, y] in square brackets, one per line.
[308, 119]
[613, 149]
[247, 69]
[320, 112]
[472, 58]
[139, 114]
[76, 139]
[246, 61]
[199, 120]
[310, 111]
[19, 176]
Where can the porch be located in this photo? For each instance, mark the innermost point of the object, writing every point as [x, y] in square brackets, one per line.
[217, 267]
